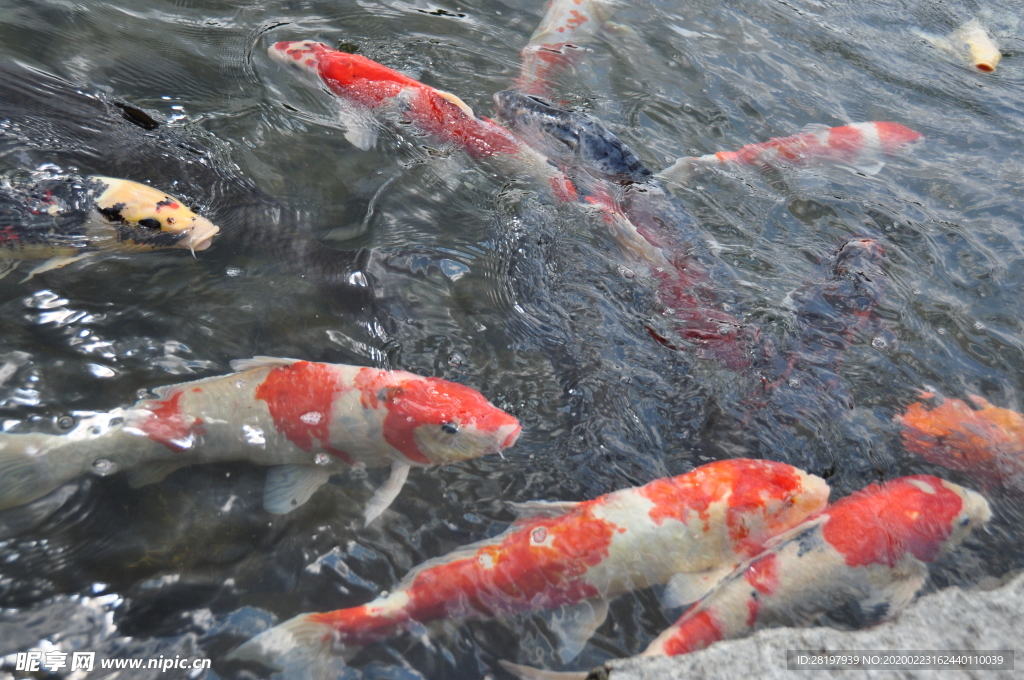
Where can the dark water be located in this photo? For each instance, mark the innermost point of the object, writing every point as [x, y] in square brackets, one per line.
[484, 282]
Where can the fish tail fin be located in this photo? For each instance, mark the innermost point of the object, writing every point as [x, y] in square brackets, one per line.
[24, 476]
[300, 643]
[682, 171]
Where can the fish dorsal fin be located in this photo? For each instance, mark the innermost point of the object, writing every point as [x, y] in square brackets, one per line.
[542, 509]
[531, 673]
[462, 553]
[289, 486]
[388, 491]
[151, 473]
[687, 587]
[239, 365]
[807, 525]
[574, 624]
[814, 128]
[458, 102]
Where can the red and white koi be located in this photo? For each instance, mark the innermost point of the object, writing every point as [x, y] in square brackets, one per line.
[868, 551]
[567, 26]
[693, 528]
[859, 145]
[986, 442]
[311, 420]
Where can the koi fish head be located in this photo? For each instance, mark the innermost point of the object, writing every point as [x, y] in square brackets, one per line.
[569, 139]
[921, 515]
[892, 136]
[144, 216]
[433, 421]
[301, 54]
[768, 498]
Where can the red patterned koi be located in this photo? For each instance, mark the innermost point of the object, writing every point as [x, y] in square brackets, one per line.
[986, 442]
[860, 145]
[868, 550]
[311, 420]
[554, 47]
[700, 524]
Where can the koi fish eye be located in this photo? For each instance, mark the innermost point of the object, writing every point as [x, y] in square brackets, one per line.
[450, 428]
[150, 223]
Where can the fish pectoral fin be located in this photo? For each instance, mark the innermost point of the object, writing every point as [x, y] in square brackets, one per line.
[8, 266]
[870, 169]
[239, 365]
[387, 492]
[531, 673]
[687, 587]
[151, 473]
[289, 486]
[574, 624]
[56, 263]
[360, 128]
[542, 509]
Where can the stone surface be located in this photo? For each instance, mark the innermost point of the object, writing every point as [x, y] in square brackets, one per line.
[951, 619]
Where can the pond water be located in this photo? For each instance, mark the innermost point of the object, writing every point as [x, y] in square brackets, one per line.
[481, 279]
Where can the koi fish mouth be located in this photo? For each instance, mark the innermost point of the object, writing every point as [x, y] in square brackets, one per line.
[200, 236]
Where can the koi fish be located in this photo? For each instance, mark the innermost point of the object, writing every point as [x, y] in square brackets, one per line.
[68, 218]
[858, 146]
[971, 41]
[310, 420]
[986, 442]
[867, 553]
[569, 138]
[691, 530]
[554, 46]
[368, 90]
[869, 550]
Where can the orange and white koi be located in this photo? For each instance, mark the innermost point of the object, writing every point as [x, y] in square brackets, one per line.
[310, 420]
[693, 528]
[567, 26]
[859, 145]
[66, 218]
[986, 442]
[368, 90]
[867, 553]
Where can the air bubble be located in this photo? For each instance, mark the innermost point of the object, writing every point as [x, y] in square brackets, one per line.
[321, 459]
[311, 417]
[65, 422]
[794, 383]
[879, 343]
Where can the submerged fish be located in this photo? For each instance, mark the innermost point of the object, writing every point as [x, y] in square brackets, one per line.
[311, 420]
[694, 286]
[368, 90]
[567, 26]
[859, 146]
[986, 442]
[972, 41]
[63, 219]
[691, 530]
[866, 554]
